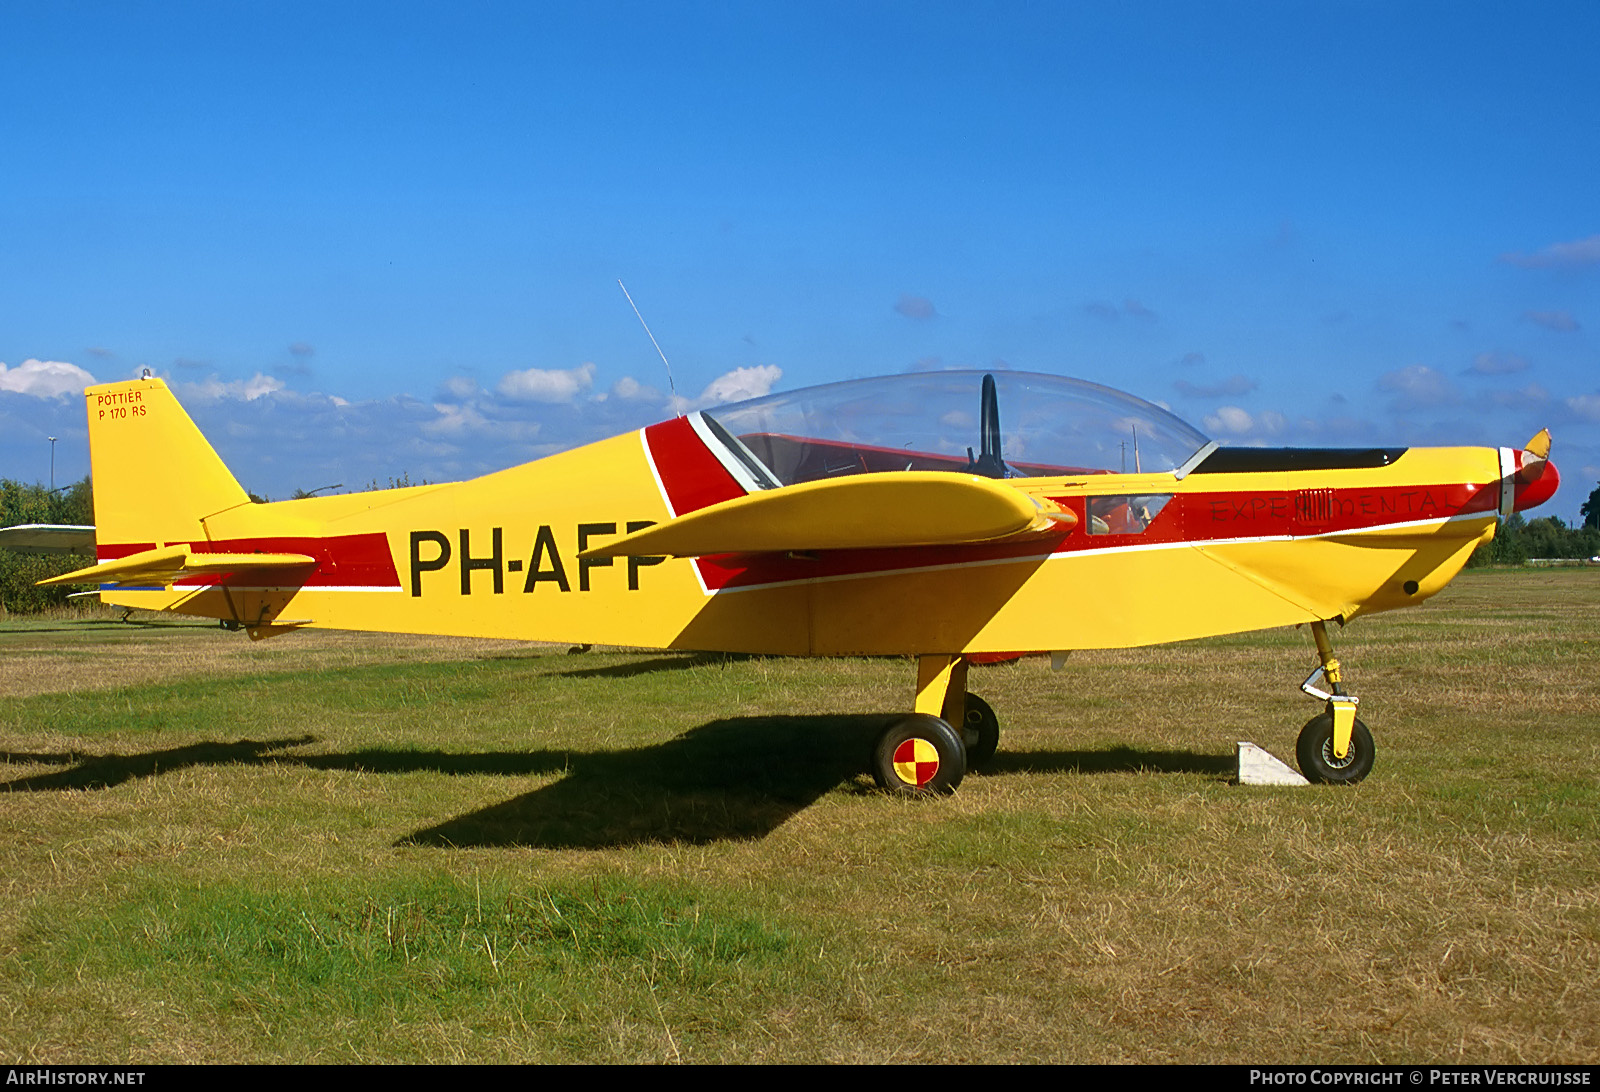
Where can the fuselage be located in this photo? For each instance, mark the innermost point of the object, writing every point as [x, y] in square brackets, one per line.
[1232, 543]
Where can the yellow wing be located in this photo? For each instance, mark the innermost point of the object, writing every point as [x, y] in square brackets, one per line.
[913, 508]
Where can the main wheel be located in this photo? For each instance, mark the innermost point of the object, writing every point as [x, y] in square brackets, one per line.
[919, 755]
[1315, 752]
[980, 731]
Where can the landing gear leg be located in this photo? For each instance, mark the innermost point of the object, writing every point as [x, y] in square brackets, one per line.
[942, 692]
[925, 753]
[1334, 748]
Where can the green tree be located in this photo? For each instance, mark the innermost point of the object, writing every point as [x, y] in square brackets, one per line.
[1590, 511]
[20, 503]
[1510, 545]
[1517, 540]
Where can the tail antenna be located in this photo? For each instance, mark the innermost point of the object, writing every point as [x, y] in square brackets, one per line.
[670, 385]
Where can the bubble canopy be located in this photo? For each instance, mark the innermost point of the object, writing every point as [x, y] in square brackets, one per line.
[999, 424]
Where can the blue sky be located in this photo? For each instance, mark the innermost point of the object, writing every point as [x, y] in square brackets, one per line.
[371, 240]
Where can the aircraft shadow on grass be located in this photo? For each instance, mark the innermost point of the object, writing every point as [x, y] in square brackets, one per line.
[734, 779]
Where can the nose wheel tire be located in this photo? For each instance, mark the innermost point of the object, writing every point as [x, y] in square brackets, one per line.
[1315, 753]
[980, 731]
[919, 755]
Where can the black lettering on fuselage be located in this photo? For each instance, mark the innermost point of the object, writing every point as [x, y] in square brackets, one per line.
[545, 544]
[544, 566]
[418, 565]
[585, 530]
[495, 563]
[637, 563]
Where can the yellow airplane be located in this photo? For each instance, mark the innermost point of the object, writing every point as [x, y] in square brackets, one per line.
[848, 519]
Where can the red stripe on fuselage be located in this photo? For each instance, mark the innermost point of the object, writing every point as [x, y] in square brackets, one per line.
[1192, 518]
[343, 561]
[1201, 517]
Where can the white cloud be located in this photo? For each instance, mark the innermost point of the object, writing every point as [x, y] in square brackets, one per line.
[459, 386]
[258, 385]
[741, 383]
[1585, 406]
[1235, 422]
[454, 420]
[1417, 386]
[44, 378]
[630, 389]
[734, 386]
[1231, 420]
[1579, 252]
[542, 385]
[241, 390]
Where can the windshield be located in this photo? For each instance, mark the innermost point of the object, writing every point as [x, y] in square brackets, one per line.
[1000, 424]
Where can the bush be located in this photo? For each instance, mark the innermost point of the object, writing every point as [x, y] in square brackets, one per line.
[21, 503]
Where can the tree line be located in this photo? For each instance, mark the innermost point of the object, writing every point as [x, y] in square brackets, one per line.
[20, 503]
[1519, 540]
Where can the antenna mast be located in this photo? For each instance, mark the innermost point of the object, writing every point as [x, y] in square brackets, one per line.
[670, 385]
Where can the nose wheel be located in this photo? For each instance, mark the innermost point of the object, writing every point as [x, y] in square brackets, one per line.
[1335, 748]
[1314, 751]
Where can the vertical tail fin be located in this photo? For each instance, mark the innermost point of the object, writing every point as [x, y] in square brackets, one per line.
[156, 479]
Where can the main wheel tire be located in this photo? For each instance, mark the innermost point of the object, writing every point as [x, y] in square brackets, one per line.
[1315, 753]
[980, 731]
[919, 755]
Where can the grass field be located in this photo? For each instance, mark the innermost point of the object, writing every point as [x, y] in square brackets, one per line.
[336, 847]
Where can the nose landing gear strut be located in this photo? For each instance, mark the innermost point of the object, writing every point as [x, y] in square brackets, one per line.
[1335, 747]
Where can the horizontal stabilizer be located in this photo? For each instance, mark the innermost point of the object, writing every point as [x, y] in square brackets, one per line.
[867, 511]
[48, 538]
[167, 564]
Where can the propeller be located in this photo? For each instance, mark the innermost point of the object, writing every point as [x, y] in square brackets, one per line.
[1527, 477]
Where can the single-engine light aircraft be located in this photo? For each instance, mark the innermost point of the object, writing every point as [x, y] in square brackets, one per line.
[893, 516]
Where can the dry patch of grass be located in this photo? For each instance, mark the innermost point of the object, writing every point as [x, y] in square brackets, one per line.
[361, 848]
[103, 653]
